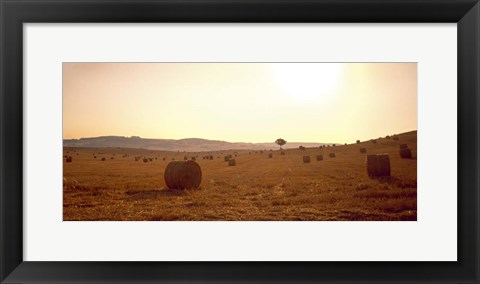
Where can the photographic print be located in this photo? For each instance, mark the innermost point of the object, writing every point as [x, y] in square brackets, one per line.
[239, 141]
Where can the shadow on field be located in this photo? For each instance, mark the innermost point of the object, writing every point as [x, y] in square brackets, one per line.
[387, 180]
[153, 193]
[401, 183]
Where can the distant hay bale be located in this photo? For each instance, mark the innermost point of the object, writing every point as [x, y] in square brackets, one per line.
[306, 159]
[163, 158]
[403, 146]
[103, 159]
[363, 150]
[301, 148]
[226, 158]
[395, 138]
[232, 162]
[319, 157]
[261, 152]
[111, 158]
[333, 145]
[358, 141]
[69, 159]
[150, 159]
[405, 153]
[145, 160]
[374, 141]
[345, 144]
[282, 153]
[331, 155]
[183, 175]
[94, 157]
[211, 157]
[270, 155]
[378, 165]
[388, 136]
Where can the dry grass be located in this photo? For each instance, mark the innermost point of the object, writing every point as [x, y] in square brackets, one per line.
[280, 188]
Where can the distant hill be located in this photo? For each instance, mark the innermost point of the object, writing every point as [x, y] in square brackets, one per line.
[188, 144]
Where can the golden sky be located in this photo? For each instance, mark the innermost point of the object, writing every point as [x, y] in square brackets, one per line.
[240, 102]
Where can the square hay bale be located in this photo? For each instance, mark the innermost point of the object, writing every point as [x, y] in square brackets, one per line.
[378, 165]
[403, 146]
[306, 159]
[363, 150]
[319, 157]
[405, 153]
[232, 162]
[331, 155]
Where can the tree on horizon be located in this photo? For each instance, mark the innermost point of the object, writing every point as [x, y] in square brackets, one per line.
[280, 142]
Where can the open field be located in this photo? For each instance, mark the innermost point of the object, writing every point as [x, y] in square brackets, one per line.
[257, 188]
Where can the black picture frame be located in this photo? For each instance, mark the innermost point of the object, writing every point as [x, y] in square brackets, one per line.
[13, 13]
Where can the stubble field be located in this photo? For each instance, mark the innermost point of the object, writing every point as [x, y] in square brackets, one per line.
[258, 188]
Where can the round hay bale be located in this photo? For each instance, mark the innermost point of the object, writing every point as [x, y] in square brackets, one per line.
[103, 159]
[403, 146]
[374, 141]
[363, 150]
[301, 148]
[378, 165]
[211, 157]
[183, 175]
[232, 162]
[226, 158]
[358, 141]
[306, 159]
[319, 157]
[69, 159]
[145, 160]
[331, 155]
[405, 153]
[94, 157]
[270, 155]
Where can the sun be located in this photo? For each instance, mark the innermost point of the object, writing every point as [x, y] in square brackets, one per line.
[307, 81]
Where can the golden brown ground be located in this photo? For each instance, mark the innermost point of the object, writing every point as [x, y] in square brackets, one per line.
[258, 188]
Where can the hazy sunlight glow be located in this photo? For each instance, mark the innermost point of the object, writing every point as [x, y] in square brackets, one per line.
[307, 81]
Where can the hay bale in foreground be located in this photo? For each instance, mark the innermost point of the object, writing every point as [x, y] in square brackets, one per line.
[270, 155]
[306, 159]
[378, 165]
[363, 150]
[403, 146]
[183, 175]
[331, 155]
[232, 162]
[319, 157]
[405, 153]
[69, 159]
